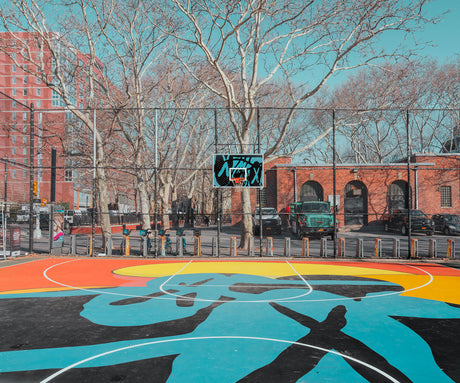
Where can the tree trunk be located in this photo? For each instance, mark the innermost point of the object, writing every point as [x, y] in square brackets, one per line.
[246, 221]
[102, 192]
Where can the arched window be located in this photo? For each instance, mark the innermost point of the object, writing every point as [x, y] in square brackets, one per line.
[311, 191]
[398, 196]
[355, 203]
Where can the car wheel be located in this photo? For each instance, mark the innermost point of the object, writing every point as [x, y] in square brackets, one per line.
[403, 230]
[446, 231]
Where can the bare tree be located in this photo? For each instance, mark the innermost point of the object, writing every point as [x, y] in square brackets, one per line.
[60, 65]
[370, 110]
[246, 45]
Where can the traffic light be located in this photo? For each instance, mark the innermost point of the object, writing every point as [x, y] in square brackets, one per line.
[35, 188]
[43, 202]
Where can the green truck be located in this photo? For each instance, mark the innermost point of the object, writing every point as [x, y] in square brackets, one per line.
[310, 219]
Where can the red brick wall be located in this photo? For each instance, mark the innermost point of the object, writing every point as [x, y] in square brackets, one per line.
[429, 172]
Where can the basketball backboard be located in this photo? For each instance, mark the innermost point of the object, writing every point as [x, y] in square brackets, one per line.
[238, 170]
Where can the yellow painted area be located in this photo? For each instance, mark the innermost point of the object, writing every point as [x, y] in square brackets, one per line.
[442, 288]
[51, 289]
[266, 269]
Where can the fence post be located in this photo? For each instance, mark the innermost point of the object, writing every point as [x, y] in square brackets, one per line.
[270, 246]
[305, 246]
[359, 248]
[109, 246]
[251, 247]
[378, 248]
[73, 245]
[396, 248]
[414, 248]
[179, 246]
[287, 247]
[433, 251]
[323, 247]
[90, 245]
[197, 246]
[213, 246]
[451, 248]
[233, 252]
[342, 247]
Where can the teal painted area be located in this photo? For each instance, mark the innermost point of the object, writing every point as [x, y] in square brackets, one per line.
[239, 337]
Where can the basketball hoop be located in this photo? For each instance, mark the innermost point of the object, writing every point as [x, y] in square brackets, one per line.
[238, 180]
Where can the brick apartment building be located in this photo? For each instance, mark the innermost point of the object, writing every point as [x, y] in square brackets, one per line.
[54, 126]
[366, 193]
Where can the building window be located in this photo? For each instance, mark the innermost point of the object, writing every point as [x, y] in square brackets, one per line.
[24, 139]
[13, 139]
[14, 67]
[68, 175]
[14, 91]
[24, 151]
[13, 151]
[39, 92]
[14, 104]
[38, 80]
[14, 116]
[263, 197]
[24, 92]
[24, 128]
[39, 103]
[55, 99]
[24, 116]
[14, 79]
[13, 173]
[24, 174]
[24, 80]
[14, 127]
[446, 196]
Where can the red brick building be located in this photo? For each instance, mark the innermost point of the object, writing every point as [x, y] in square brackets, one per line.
[365, 193]
[54, 125]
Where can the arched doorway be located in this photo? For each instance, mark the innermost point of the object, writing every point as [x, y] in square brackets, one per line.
[355, 203]
[311, 191]
[398, 197]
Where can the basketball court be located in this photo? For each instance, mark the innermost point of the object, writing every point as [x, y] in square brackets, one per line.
[189, 320]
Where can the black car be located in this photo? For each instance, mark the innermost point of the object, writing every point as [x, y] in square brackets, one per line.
[398, 221]
[271, 221]
[447, 223]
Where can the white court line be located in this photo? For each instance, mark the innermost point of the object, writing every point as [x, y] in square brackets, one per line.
[330, 351]
[240, 301]
[310, 290]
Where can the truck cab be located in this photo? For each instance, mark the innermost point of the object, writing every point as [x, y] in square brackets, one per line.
[311, 219]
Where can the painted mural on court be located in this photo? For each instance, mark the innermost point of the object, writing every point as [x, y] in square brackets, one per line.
[195, 321]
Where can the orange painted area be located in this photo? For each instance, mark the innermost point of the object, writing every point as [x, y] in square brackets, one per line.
[442, 283]
[74, 272]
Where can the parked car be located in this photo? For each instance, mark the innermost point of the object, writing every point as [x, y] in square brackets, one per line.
[447, 223]
[271, 221]
[420, 223]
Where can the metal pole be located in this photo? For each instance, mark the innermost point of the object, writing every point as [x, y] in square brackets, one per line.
[6, 179]
[93, 212]
[52, 198]
[31, 180]
[259, 190]
[409, 193]
[218, 218]
[4, 230]
[334, 187]
[155, 197]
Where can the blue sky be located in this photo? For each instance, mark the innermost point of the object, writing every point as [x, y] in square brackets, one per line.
[443, 37]
[446, 34]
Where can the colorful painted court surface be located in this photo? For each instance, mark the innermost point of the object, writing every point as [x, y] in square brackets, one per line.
[107, 320]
